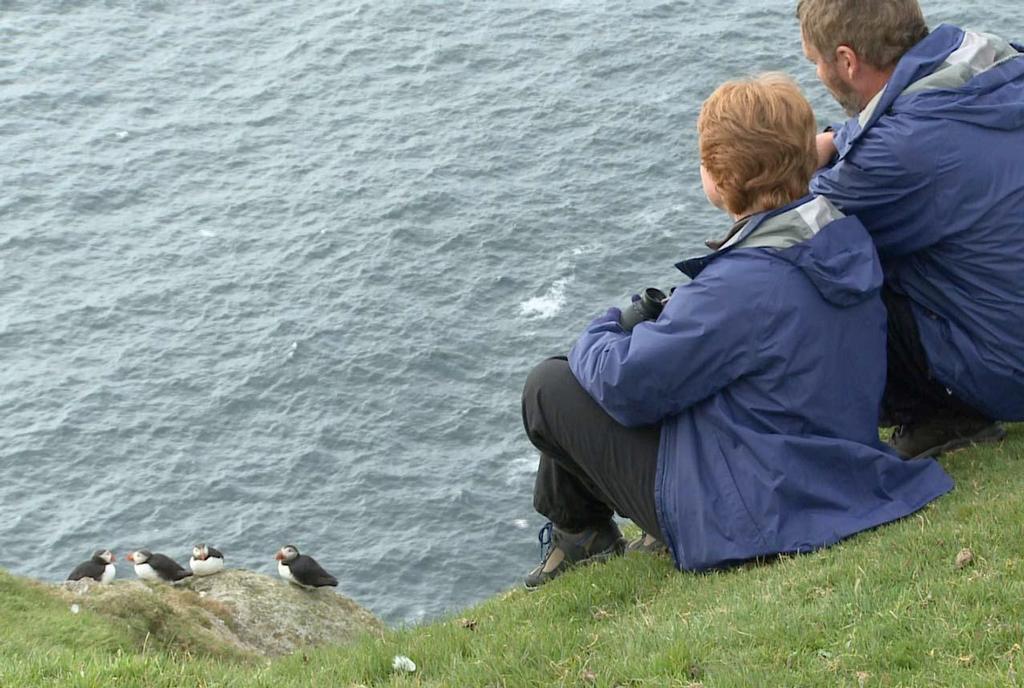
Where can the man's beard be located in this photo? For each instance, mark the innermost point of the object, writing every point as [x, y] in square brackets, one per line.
[847, 98]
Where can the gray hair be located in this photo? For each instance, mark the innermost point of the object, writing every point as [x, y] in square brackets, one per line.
[879, 31]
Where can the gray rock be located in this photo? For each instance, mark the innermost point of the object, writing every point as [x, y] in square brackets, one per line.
[269, 613]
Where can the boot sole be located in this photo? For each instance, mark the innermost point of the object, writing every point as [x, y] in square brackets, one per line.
[616, 550]
[990, 435]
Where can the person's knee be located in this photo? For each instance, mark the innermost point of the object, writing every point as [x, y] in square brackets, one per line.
[547, 374]
[541, 385]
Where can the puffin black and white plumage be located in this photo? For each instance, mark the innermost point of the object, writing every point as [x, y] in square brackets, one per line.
[100, 567]
[157, 567]
[302, 570]
[206, 560]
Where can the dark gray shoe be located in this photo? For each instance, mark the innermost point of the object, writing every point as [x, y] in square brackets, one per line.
[647, 543]
[940, 435]
[590, 546]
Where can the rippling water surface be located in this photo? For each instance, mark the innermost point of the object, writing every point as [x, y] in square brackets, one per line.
[275, 271]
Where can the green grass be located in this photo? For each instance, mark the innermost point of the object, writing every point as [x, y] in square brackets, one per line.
[886, 608]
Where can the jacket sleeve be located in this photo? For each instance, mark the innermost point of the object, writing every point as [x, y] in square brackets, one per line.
[892, 187]
[704, 340]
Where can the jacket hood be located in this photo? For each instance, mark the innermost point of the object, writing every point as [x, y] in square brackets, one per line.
[951, 74]
[833, 251]
[841, 262]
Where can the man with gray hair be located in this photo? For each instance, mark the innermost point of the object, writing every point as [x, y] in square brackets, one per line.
[932, 162]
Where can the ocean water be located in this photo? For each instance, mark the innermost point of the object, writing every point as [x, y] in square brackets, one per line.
[274, 272]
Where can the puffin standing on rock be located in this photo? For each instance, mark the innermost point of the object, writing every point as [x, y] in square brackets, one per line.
[206, 560]
[100, 568]
[157, 567]
[302, 570]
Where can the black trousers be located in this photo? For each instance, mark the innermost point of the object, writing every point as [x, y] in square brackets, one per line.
[590, 465]
[912, 395]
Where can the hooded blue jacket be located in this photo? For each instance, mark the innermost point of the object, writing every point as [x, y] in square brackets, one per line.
[934, 168]
[765, 373]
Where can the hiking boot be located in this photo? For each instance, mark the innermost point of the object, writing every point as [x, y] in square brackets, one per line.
[563, 550]
[647, 543]
[939, 435]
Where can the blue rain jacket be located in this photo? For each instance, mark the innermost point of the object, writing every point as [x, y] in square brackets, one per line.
[934, 168]
[765, 373]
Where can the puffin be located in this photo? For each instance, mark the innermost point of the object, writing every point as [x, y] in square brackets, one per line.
[157, 567]
[302, 570]
[206, 560]
[100, 567]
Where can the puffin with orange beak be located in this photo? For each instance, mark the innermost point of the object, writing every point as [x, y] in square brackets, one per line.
[302, 570]
[206, 560]
[157, 567]
[100, 567]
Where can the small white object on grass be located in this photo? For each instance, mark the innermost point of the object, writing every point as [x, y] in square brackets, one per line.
[403, 663]
[75, 609]
[964, 557]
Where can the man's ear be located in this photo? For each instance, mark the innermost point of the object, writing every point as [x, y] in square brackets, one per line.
[847, 63]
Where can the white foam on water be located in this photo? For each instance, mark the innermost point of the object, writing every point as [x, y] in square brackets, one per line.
[584, 249]
[548, 304]
[521, 523]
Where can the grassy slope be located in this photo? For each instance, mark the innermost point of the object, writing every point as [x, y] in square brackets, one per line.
[886, 608]
[42, 642]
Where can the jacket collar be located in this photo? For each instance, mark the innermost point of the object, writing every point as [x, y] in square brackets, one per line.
[809, 215]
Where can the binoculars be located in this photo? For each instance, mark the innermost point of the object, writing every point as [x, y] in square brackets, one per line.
[647, 307]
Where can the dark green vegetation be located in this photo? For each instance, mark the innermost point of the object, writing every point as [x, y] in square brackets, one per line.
[893, 607]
